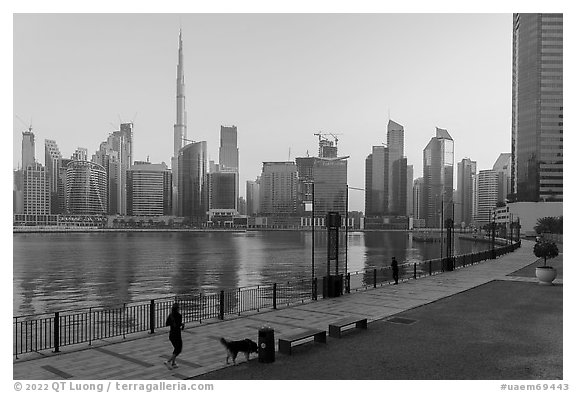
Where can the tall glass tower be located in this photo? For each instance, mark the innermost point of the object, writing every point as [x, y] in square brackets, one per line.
[537, 108]
[180, 132]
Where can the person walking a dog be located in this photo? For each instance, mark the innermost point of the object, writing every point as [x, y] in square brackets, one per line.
[176, 326]
[395, 270]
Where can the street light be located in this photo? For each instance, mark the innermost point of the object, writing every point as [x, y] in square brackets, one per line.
[493, 233]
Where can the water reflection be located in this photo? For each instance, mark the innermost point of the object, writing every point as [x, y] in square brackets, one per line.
[55, 271]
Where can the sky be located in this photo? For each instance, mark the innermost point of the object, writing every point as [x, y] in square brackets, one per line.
[280, 78]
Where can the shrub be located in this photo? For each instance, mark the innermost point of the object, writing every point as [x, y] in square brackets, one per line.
[545, 249]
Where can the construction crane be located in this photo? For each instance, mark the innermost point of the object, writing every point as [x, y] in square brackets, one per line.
[322, 136]
[24, 123]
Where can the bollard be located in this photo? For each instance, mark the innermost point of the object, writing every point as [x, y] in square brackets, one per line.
[152, 316]
[347, 282]
[274, 296]
[430, 268]
[414, 271]
[374, 278]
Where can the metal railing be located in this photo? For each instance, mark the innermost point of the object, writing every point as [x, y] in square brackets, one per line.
[40, 332]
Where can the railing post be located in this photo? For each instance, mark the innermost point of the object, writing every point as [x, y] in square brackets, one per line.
[347, 282]
[56, 331]
[274, 296]
[414, 271]
[221, 313]
[152, 316]
[315, 288]
[374, 278]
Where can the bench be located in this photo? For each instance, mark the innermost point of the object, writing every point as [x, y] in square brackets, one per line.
[335, 328]
[285, 344]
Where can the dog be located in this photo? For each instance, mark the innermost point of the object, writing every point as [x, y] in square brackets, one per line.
[233, 347]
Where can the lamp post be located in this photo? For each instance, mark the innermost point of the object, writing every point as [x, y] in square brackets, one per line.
[493, 233]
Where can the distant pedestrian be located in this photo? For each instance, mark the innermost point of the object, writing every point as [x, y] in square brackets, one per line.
[176, 326]
[395, 270]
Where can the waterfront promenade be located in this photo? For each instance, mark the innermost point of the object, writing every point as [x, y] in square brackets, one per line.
[141, 356]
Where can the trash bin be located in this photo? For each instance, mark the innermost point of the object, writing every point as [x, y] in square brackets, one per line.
[266, 350]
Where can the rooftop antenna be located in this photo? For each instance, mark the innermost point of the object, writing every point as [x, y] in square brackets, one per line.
[289, 153]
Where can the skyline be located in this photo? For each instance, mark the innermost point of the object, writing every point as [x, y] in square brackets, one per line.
[277, 86]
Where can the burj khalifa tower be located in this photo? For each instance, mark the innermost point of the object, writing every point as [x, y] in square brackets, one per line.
[180, 127]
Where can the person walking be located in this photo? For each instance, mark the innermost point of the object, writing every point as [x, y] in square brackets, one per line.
[176, 326]
[395, 270]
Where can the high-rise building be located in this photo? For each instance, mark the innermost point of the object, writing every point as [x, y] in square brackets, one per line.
[537, 107]
[279, 189]
[417, 197]
[376, 194]
[395, 141]
[180, 128]
[61, 185]
[110, 161]
[329, 179]
[253, 197]
[465, 183]
[503, 166]
[222, 200]
[28, 148]
[228, 149]
[18, 192]
[149, 190]
[85, 188]
[487, 196]
[52, 159]
[228, 155]
[36, 190]
[116, 156]
[409, 186]
[81, 154]
[399, 189]
[438, 179]
[192, 170]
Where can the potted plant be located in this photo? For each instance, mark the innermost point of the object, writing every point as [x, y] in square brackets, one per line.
[545, 249]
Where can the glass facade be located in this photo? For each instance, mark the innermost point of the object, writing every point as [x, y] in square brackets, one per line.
[377, 181]
[438, 169]
[192, 198]
[86, 188]
[537, 107]
[149, 189]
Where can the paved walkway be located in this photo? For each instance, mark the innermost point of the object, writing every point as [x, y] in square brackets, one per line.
[142, 356]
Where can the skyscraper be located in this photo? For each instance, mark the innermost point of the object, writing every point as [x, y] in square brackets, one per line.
[149, 190]
[85, 188]
[180, 131]
[465, 182]
[438, 179]
[36, 190]
[376, 203]
[228, 155]
[279, 189]
[487, 196]
[417, 197]
[193, 165]
[399, 189]
[28, 148]
[537, 107]
[409, 186]
[395, 141]
[253, 196]
[52, 159]
[228, 149]
[503, 166]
